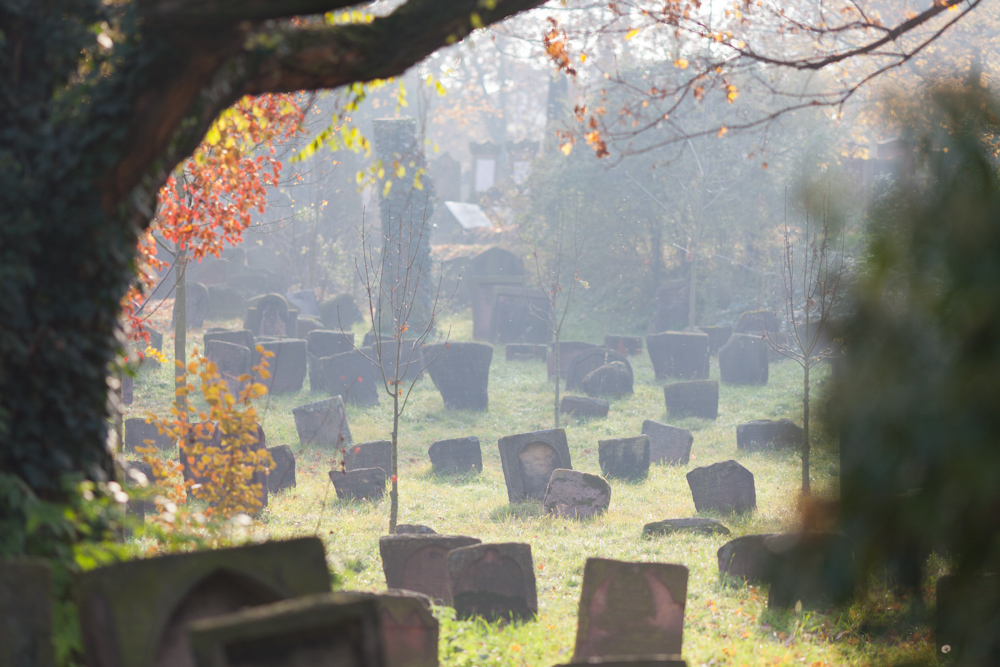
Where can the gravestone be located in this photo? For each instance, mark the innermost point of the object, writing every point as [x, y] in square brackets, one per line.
[765, 434]
[630, 609]
[526, 352]
[200, 471]
[717, 337]
[692, 525]
[670, 307]
[746, 559]
[461, 372]
[583, 407]
[323, 343]
[352, 377]
[287, 367]
[363, 484]
[624, 458]
[306, 325]
[248, 284]
[456, 455]
[811, 568]
[722, 487]
[138, 474]
[369, 339]
[270, 315]
[26, 613]
[414, 529]
[283, 475]
[304, 301]
[233, 362]
[323, 423]
[374, 454]
[567, 352]
[339, 313]
[413, 359]
[225, 302]
[493, 581]
[136, 612]
[138, 431]
[757, 322]
[409, 631]
[197, 306]
[589, 360]
[576, 495]
[679, 355]
[743, 360]
[520, 316]
[420, 562]
[694, 398]
[613, 379]
[242, 337]
[668, 444]
[627, 345]
[528, 460]
[128, 389]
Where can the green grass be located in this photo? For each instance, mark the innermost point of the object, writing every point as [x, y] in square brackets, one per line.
[724, 625]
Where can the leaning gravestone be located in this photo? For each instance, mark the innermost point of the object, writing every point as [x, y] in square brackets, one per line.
[765, 434]
[743, 360]
[242, 337]
[625, 458]
[26, 613]
[374, 454]
[583, 407]
[233, 362]
[323, 423]
[630, 609]
[420, 562]
[461, 372]
[283, 475]
[351, 376]
[322, 343]
[567, 352]
[493, 581]
[695, 398]
[680, 355]
[627, 345]
[526, 352]
[138, 431]
[576, 495]
[409, 631]
[136, 613]
[528, 460]
[287, 368]
[613, 379]
[692, 525]
[811, 568]
[746, 559]
[668, 444]
[590, 360]
[457, 455]
[717, 337]
[722, 487]
[363, 484]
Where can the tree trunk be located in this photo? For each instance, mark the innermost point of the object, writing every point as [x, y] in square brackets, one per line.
[555, 354]
[180, 329]
[805, 430]
[394, 491]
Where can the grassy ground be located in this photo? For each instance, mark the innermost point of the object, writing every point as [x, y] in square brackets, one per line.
[723, 625]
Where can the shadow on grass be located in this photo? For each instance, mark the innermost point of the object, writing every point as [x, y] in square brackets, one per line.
[528, 509]
[449, 479]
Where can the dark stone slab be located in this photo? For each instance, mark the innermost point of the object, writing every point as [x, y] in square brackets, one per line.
[695, 398]
[627, 345]
[233, 362]
[413, 359]
[812, 568]
[680, 355]
[765, 434]
[567, 352]
[722, 487]
[528, 460]
[456, 455]
[136, 613]
[625, 458]
[352, 377]
[747, 559]
[270, 315]
[414, 529]
[668, 444]
[283, 475]
[373, 454]
[526, 352]
[613, 379]
[590, 360]
[339, 312]
[461, 372]
[200, 471]
[197, 305]
[420, 562]
[693, 525]
[493, 581]
[242, 337]
[743, 360]
[287, 367]
[584, 407]
[576, 495]
[717, 336]
[363, 484]
[138, 431]
[26, 613]
[630, 609]
[520, 316]
[323, 423]
[323, 343]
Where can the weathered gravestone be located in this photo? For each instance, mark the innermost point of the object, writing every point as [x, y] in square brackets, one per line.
[197, 306]
[528, 460]
[461, 372]
[340, 312]
[590, 360]
[765, 434]
[232, 361]
[26, 613]
[746, 559]
[526, 352]
[373, 454]
[717, 336]
[520, 316]
[214, 443]
[670, 307]
[624, 458]
[811, 568]
[668, 444]
[224, 302]
[567, 352]
[242, 337]
[456, 455]
[722, 487]
[613, 379]
[583, 407]
[743, 360]
[630, 609]
[283, 475]
[493, 581]
[692, 525]
[680, 355]
[414, 529]
[270, 315]
[758, 322]
[137, 613]
[627, 345]
[138, 431]
[323, 343]
[413, 359]
[576, 495]
[305, 326]
[351, 376]
[304, 301]
[409, 632]
[287, 368]
[420, 562]
[695, 398]
[361, 484]
[128, 389]
[323, 423]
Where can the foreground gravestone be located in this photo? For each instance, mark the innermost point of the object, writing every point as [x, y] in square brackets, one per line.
[362, 484]
[668, 444]
[287, 368]
[493, 581]
[567, 352]
[374, 454]
[625, 458]
[576, 495]
[590, 360]
[323, 423]
[26, 613]
[526, 352]
[743, 360]
[627, 345]
[353, 377]
[283, 475]
[613, 379]
[420, 562]
[680, 355]
[232, 361]
[138, 433]
[136, 613]
[811, 568]
[584, 407]
[691, 525]
[201, 468]
[456, 455]
[765, 434]
[723, 487]
[695, 398]
[746, 559]
[528, 460]
[461, 372]
[242, 337]
[717, 337]
[630, 609]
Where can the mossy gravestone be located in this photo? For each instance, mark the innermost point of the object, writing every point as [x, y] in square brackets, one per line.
[420, 562]
[722, 487]
[493, 581]
[26, 613]
[456, 455]
[678, 354]
[352, 376]
[576, 495]
[528, 460]
[697, 398]
[323, 423]
[668, 444]
[625, 458]
[584, 407]
[613, 379]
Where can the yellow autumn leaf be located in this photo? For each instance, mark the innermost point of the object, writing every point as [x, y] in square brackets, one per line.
[722, 131]
[681, 63]
[632, 33]
[566, 148]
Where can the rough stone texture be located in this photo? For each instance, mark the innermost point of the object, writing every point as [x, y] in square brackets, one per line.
[197, 306]
[136, 613]
[26, 613]
[374, 454]
[137, 432]
[494, 581]
[526, 352]
[627, 345]
[420, 562]
[630, 609]
[456, 455]
[722, 487]
[283, 475]
[765, 434]
[625, 458]
[613, 379]
[717, 337]
[242, 337]
[287, 367]
[567, 352]
[668, 444]
[233, 361]
[363, 484]
[461, 372]
[528, 460]
[323, 423]
[743, 360]
[214, 436]
[323, 343]
[695, 398]
[746, 558]
[814, 568]
[352, 377]
[680, 355]
[414, 529]
[693, 525]
[576, 495]
[413, 359]
[590, 360]
[270, 315]
[583, 407]
[520, 316]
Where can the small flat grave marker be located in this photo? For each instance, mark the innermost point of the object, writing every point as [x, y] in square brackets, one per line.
[692, 525]
[668, 444]
[420, 562]
[493, 581]
[528, 460]
[722, 487]
[576, 495]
